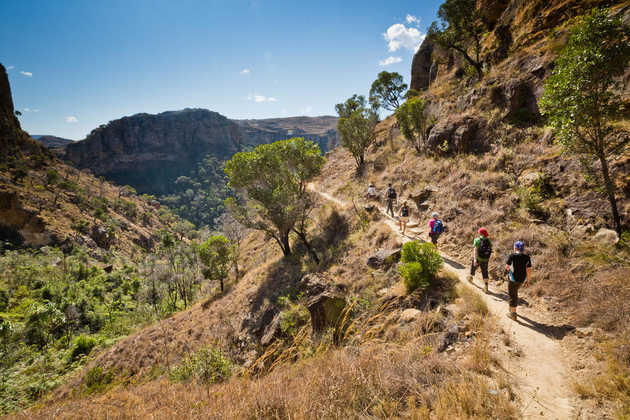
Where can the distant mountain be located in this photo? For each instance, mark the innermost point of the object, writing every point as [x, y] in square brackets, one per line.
[150, 151]
[52, 142]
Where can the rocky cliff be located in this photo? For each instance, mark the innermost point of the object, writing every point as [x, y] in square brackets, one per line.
[150, 151]
[13, 141]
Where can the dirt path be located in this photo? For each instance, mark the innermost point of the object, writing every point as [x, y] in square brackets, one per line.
[539, 368]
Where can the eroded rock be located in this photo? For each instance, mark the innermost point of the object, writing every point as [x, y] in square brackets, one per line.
[383, 258]
[606, 237]
[458, 134]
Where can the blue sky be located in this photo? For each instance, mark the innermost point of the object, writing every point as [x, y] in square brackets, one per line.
[76, 64]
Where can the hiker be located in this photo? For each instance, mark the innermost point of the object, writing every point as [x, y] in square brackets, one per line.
[482, 249]
[519, 267]
[390, 195]
[403, 217]
[371, 193]
[436, 227]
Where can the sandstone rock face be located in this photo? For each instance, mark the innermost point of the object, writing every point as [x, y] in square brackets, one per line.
[421, 67]
[20, 225]
[518, 98]
[458, 134]
[149, 152]
[13, 141]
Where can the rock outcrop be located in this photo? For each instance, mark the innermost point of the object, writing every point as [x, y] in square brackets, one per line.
[458, 134]
[325, 302]
[149, 151]
[423, 68]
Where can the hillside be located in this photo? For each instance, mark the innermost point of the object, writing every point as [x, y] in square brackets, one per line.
[333, 329]
[55, 144]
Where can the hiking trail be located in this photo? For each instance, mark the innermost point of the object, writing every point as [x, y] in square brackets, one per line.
[539, 368]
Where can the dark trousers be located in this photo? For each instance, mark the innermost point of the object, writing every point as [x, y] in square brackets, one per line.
[513, 287]
[390, 208]
[434, 237]
[484, 268]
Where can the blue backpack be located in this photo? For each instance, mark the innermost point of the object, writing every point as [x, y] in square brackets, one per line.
[438, 227]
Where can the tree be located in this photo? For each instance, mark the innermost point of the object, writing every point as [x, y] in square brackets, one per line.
[215, 254]
[273, 180]
[414, 123]
[235, 232]
[387, 91]
[579, 100]
[460, 29]
[356, 127]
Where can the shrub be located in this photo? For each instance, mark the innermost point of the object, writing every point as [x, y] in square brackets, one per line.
[207, 366]
[83, 345]
[419, 264]
[96, 380]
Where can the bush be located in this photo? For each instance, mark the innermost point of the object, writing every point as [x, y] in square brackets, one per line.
[419, 264]
[83, 345]
[207, 366]
[96, 380]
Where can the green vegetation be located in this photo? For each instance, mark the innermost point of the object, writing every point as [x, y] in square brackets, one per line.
[356, 127]
[461, 29]
[579, 100]
[206, 366]
[420, 263]
[274, 178]
[216, 254]
[199, 196]
[387, 91]
[414, 123]
[56, 308]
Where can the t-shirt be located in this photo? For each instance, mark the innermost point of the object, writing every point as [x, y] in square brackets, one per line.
[391, 193]
[371, 191]
[405, 211]
[431, 224]
[477, 244]
[519, 263]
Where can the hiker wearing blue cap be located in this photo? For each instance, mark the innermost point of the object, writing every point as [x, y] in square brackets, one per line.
[519, 267]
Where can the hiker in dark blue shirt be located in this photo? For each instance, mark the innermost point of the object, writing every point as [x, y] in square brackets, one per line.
[519, 267]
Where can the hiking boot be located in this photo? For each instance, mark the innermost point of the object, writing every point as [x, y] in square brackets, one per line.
[470, 278]
[485, 289]
[512, 316]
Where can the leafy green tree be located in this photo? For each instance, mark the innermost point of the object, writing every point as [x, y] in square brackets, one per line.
[216, 255]
[354, 103]
[273, 179]
[414, 123]
[387, 91]
[356, 127]
[461, 29]
[580, 101]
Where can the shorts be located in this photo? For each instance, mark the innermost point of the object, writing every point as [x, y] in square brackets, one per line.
[404, 219]
[434, 237]
[513, 287]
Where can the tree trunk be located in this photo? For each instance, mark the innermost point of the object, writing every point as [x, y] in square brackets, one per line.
[285, 245]
[309, 248]
[610, 190]
[221, 280]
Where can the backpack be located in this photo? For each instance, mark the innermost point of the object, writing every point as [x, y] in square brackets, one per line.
[485, 249]
[391, 193]
[438, 227]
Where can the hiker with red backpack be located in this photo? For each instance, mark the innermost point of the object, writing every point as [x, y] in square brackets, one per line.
[436, 227]
[519, 267]
[482, 249]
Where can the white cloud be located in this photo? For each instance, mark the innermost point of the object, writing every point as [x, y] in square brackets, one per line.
[245, 71]
[261, 98]
[399, 36]
[306, 110]
[26, 73]
[71, 119]
[10, 67]
[412, 20]
[390, 60]
[30, 110]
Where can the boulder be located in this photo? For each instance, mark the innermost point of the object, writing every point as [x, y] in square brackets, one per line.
[325, 301]
[517, 97]
[424, 194]
[101, 236]
[383, 258]
[409, 315]
[271, 330]
[606, 237]
[458, 134]
[448, 337]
